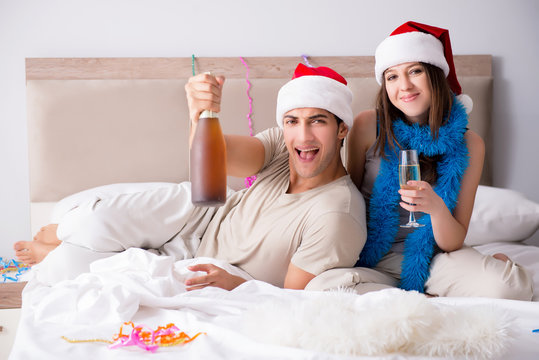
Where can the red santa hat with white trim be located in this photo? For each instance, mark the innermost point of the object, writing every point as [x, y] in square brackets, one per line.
[413, 42]
[316, 87]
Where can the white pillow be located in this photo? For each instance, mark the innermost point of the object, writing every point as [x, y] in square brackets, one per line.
[105, 191]
[501, 215]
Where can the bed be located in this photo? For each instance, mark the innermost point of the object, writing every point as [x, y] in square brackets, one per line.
[107, 125]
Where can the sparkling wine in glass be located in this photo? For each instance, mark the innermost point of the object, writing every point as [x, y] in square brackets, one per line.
[409, 170]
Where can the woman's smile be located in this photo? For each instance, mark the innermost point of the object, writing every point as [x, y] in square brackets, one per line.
[409, 97]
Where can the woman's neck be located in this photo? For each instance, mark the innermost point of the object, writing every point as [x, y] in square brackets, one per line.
[420, 119]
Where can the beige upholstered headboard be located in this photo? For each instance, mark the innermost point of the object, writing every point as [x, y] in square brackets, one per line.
[96, 121]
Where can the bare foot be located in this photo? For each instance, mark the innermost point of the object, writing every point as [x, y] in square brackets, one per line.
[32, 252]
[501, 257]
[47, 235]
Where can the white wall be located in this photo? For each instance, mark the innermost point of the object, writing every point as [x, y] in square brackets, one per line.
[149, 28]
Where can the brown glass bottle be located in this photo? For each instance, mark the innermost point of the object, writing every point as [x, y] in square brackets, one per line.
[208, 162]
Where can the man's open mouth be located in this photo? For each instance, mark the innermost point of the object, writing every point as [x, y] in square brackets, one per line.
[307, 153]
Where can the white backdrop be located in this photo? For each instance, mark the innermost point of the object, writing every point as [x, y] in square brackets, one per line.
[151, 28]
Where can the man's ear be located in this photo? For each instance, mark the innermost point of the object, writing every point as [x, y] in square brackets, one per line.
[343, 130]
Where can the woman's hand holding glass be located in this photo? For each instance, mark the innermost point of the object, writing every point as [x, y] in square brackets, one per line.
[420, 197]
[409, 170]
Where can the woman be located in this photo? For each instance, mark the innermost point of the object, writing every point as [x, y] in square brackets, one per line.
[420, 107]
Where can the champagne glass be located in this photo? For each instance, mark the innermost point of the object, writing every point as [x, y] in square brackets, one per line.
[409, 170]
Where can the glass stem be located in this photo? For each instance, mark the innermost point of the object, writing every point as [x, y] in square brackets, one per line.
[411, 219]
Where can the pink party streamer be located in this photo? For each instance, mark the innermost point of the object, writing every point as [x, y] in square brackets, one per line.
[150, 340]
[306, 60]
[251, 179]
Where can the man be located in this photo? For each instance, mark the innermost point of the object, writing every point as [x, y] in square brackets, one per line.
[302, 216]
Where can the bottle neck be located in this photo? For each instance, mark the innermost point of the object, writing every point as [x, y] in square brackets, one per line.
[209, 114]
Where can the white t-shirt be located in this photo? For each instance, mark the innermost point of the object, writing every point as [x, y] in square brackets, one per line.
[262, 229]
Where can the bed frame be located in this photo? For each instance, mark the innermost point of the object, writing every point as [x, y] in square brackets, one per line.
[96, 121]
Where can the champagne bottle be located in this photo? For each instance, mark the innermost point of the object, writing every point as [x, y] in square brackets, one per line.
[208, 162]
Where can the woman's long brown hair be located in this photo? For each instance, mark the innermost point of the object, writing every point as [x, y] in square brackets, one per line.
[386, 113]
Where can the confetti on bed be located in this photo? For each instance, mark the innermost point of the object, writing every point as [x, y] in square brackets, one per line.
[11, 270]
[143, 337]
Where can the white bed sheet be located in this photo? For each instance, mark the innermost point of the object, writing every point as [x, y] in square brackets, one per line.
[144, 288]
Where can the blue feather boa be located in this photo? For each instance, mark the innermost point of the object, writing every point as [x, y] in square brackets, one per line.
[383, 222]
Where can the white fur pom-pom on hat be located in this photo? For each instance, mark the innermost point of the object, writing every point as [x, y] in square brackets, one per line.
[415, 42]
[316, 87]
[466, 101]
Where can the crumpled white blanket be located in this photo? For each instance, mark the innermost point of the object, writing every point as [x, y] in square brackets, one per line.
[116, 287]
[254, 321]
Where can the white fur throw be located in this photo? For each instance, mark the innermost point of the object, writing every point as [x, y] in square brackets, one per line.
[380, 323]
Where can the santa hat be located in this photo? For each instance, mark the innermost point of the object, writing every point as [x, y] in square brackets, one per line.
[316, 87]
[412, 42]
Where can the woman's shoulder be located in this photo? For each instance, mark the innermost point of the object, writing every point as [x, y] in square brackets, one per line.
[362, 136]
[366, 119]
[365, 125]
[475, 143]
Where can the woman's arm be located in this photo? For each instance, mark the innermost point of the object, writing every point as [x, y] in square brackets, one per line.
[360, 138]
[450, 230]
